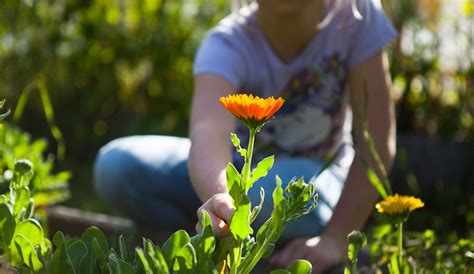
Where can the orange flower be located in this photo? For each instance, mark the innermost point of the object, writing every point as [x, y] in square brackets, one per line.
[252, 110]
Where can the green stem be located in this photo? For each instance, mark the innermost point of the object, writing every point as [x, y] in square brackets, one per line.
[248, 159]
[257, 253]
[354, 263]
[400, 243]
[233, 269]
[245, 179]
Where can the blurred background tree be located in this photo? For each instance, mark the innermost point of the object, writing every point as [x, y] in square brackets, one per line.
[120, 67]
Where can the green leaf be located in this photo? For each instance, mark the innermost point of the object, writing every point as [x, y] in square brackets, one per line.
[77, 251]
[122, 247]
[89, 263]
[373, 177]
[240, 223]
[60, 262]
[300, 267]
[236, 142]
[27, 253]
[278, 218]
[7, 226]
[256, 210]
[152, 257]
[260, 171]
[394, 265]
[220, 252]
[119, 266]
[174, 244]
[185, 260]
[234, 183]
[375, 181]
[95, 233]
[263, 231]
[161, 259]
[102, 258]
[30, 229]
[204, 243]
[143, 260]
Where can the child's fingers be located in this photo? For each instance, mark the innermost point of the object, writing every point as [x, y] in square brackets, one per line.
[220, 210]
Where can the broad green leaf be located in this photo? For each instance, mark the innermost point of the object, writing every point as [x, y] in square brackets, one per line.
[240, 223]
[60, 262]
[95, 233]
[236, 142]
[143, 260]
[256, 210]
[89, 263]
[172, 246]
[7, 226]
[30, 229]
[152, 257]
[119, 266]
[300, 267]
[101, 256]
[185, 260]
[260, 171]
[77, 251]
[27, 253]
[122, 248]
[204, 243]
[234, 183]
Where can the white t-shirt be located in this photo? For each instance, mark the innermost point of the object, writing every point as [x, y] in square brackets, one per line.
[315, 119]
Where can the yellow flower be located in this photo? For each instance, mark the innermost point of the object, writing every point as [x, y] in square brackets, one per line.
[468, 7]
[398, 205]
[252, 110]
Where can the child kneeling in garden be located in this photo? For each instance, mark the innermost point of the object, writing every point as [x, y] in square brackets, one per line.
[326, 59]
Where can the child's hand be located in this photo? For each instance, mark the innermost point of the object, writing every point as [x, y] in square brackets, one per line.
[322, 252]
[220, 210]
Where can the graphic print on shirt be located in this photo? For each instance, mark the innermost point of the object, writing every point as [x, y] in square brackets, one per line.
[310, 122]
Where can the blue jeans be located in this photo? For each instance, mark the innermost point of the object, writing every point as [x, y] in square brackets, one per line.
[146, 177]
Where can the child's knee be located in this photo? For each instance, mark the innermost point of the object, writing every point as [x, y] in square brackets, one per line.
[111, 172]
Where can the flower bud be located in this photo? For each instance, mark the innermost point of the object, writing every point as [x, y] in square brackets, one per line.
[357, 238]
[23, 166]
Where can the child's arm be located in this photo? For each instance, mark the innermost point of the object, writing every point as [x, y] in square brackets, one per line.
[358, 196]
[209, 130]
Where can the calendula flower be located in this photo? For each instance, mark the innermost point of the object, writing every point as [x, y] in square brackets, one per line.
[398, 205]
[252, 110]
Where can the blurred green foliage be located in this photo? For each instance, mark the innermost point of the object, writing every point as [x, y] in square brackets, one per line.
[431, 97]
[45, 187]
[111, 67]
